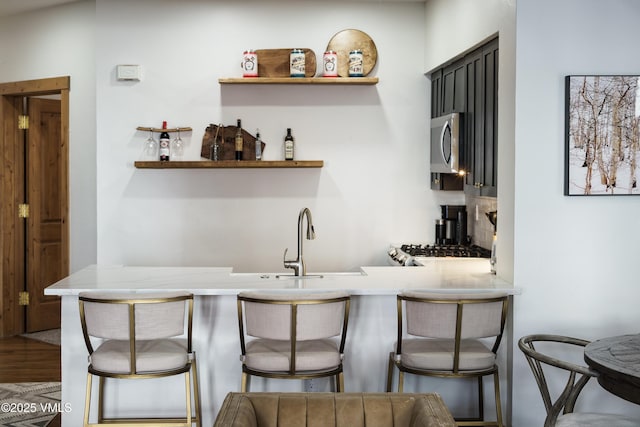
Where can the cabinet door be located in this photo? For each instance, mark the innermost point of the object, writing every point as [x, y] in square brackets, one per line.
[481, 120]
[436, 93]
[453, 88]
[489, 177]
[446, 182]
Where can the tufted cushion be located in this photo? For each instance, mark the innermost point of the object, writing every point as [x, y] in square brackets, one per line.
[333, 410]
[273, 355]
[437, 355]
[158, 355]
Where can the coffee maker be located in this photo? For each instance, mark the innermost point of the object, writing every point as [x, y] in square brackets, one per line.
[451, 228]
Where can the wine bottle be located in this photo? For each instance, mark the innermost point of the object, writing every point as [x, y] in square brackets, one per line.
[239, 141]
[258, 145]
[288, 145]
[164, 143]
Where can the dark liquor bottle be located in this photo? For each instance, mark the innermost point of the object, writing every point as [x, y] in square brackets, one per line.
[239, 141]
[164, 143]
[288, 145]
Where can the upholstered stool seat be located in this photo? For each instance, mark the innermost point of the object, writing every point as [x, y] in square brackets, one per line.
[151, 356]
[437, 355]
[273, 355]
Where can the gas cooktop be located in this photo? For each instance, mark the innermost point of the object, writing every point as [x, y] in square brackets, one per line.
[460, 251]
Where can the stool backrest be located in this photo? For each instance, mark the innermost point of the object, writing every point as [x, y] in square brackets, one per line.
[135, 316]
[315, 316]
[455, 316]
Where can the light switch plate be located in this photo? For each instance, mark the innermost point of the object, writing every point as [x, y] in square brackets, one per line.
[128, 72]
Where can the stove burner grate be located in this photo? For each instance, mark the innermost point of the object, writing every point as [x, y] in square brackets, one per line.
[459, 251]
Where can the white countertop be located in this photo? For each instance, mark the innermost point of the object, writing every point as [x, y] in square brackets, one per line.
[447, 274]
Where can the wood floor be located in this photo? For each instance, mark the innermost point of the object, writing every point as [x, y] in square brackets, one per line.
[26, 360]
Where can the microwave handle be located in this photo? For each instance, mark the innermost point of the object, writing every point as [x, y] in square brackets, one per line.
[446, 127]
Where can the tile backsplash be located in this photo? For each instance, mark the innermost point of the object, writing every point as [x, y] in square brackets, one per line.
[480, 230]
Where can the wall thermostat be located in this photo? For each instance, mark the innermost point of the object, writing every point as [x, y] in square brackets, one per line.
[128, 72]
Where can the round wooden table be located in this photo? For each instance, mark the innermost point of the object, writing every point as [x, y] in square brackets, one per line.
[617, 360]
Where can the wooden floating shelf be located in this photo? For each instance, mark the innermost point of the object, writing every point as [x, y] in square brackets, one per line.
[164, 130]
[301, 80]
[228, 164]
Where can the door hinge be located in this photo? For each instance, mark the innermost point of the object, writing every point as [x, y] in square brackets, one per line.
[23, 210]
[23, 121]
[23, 298]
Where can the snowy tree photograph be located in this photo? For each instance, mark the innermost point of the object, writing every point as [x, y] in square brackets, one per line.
[602, 115]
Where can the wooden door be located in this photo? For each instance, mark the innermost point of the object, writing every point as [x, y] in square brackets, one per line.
[30, 256]
[47, 225]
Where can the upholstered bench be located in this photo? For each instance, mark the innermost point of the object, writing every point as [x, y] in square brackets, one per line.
[333, 410]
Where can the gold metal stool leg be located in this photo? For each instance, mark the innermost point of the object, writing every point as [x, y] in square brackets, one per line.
[87, 401]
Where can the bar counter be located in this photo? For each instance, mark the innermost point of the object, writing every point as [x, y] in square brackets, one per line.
[371, 334]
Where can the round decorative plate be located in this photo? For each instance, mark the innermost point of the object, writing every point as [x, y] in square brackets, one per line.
[345, 41]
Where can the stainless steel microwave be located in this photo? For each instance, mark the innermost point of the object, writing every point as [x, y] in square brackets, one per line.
[446, 143]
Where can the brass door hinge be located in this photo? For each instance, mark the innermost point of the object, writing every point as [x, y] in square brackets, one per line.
[23, 122]
[23, 298]
[23, 210]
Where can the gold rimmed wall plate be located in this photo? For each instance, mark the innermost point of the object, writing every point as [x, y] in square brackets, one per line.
[345, 41]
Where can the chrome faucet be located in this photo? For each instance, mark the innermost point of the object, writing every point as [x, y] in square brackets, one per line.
[298, 265]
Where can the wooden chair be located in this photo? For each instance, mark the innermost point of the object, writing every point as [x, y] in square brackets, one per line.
[293, 335]
[450, 335]
[139, 336]
[560, 412]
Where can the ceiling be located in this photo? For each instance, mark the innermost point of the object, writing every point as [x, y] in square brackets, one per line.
[13, 7]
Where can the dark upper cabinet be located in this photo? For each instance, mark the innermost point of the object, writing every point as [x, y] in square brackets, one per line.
[447, 89]
[470, 85]
[481, 121]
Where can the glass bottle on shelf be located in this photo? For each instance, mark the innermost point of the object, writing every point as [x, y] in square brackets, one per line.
[288, 145]
[239, 141]
[258, 145]
[164, 143]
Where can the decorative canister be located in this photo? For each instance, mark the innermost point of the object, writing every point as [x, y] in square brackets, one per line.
[249, 63]
[355, 63]
[330, 64]
[296, 63]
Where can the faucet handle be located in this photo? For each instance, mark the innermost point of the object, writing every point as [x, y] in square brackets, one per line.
[284, 257]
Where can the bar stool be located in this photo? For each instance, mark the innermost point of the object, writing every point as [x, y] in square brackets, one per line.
[292, 335]
[445, 337]
[135, 336]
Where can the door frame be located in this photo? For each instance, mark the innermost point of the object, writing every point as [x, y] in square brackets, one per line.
[12, 254]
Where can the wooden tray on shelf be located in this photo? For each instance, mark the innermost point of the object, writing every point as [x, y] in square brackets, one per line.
[275, 62]
[345, 41]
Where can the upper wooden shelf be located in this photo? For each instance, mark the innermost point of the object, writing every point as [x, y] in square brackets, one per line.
[148, 129]
[301, 80]
[228, 164]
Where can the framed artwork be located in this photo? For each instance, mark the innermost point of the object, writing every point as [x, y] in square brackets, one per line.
[602, 135]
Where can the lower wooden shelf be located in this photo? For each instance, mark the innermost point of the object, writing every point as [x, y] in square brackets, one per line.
[228, 164]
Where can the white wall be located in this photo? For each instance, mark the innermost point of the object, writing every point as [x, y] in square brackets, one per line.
[453, 27]
[572, 257]
[371, 138]
[63, 45]
[576, 257]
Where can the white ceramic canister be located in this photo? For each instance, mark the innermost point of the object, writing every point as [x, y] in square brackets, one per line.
[250, 63]
[356, 60]
[330, 64]
[297, 63]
